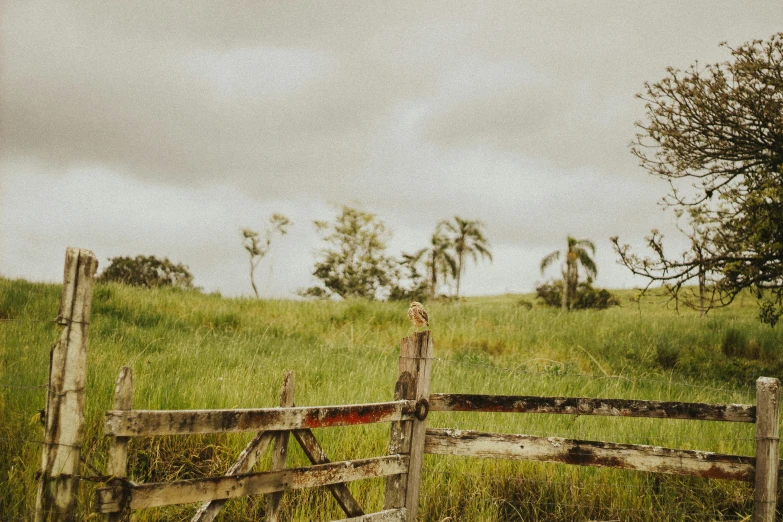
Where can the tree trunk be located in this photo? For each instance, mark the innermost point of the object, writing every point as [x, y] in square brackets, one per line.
[573, 285]
[569, 284]
[702, 308]
[564, 300]
[252, 277]
[572, 288]
[702, 284]
[459, 270]
[433, 275]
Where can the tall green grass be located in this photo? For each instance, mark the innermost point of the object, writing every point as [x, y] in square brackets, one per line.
[189, 350]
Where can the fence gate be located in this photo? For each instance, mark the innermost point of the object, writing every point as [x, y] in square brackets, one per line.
[402, 466]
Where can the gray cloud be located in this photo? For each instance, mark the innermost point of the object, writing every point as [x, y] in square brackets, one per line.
[515, 113]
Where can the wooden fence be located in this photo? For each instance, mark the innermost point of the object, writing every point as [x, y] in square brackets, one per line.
[762, 471]
[273, 425]
[409, 437]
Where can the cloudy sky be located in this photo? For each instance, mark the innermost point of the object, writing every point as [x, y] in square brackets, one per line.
[163, 128]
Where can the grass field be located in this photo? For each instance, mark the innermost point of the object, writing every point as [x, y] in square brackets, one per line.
[190, 350]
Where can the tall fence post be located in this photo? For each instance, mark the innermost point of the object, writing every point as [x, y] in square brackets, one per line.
[64, 415]
[118, 450]
[413, 382]
[767, 447]
[280, 453]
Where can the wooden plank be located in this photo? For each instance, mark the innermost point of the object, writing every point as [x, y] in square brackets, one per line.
[767, 449]
[280, 454]
[58, 484]
[387, 515]
[118, 448]
[213, 488]
[415, 360]
[588, 406]
[147, 423]
[589, 453]
[316, 454]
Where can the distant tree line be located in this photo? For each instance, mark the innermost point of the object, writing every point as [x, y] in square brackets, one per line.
[354, 261]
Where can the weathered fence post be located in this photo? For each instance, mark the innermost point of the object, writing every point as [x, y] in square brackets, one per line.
[118, 450]
[280, 448]
[767, 444]
[407, 437]
[64, 417]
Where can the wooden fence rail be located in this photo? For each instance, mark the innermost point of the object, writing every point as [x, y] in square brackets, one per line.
[142, 496]
[589, 453]
[148, 423]
[588, 406]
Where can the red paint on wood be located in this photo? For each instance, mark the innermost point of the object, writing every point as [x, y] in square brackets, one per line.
[349, 417]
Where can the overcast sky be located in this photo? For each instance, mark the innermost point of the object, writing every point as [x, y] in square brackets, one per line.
[163, 128]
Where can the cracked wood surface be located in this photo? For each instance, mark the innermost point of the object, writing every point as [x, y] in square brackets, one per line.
[589, 453]
[213, 488]
[147, 423]
[588, 406]
[64, 415]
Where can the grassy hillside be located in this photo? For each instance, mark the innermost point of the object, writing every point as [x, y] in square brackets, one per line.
[189, 350]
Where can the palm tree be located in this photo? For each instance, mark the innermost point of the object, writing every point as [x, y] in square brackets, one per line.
[467, 239]
[408, 268]
[575, 254]
[440, 261]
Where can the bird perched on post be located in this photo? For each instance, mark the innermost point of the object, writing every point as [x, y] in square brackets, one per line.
[418, 315]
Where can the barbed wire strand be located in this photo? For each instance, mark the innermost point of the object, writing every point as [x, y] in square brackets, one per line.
[28, 320]
[13, 386]
[41, 442]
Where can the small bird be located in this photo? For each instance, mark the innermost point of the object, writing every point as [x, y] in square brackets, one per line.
[418, 315]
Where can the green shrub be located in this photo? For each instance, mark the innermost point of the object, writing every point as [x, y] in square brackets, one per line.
[525, 304]
[734, 343]
[147, 272]
[551, 293]
[587, 297]
[666, 355]
[596, 298]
